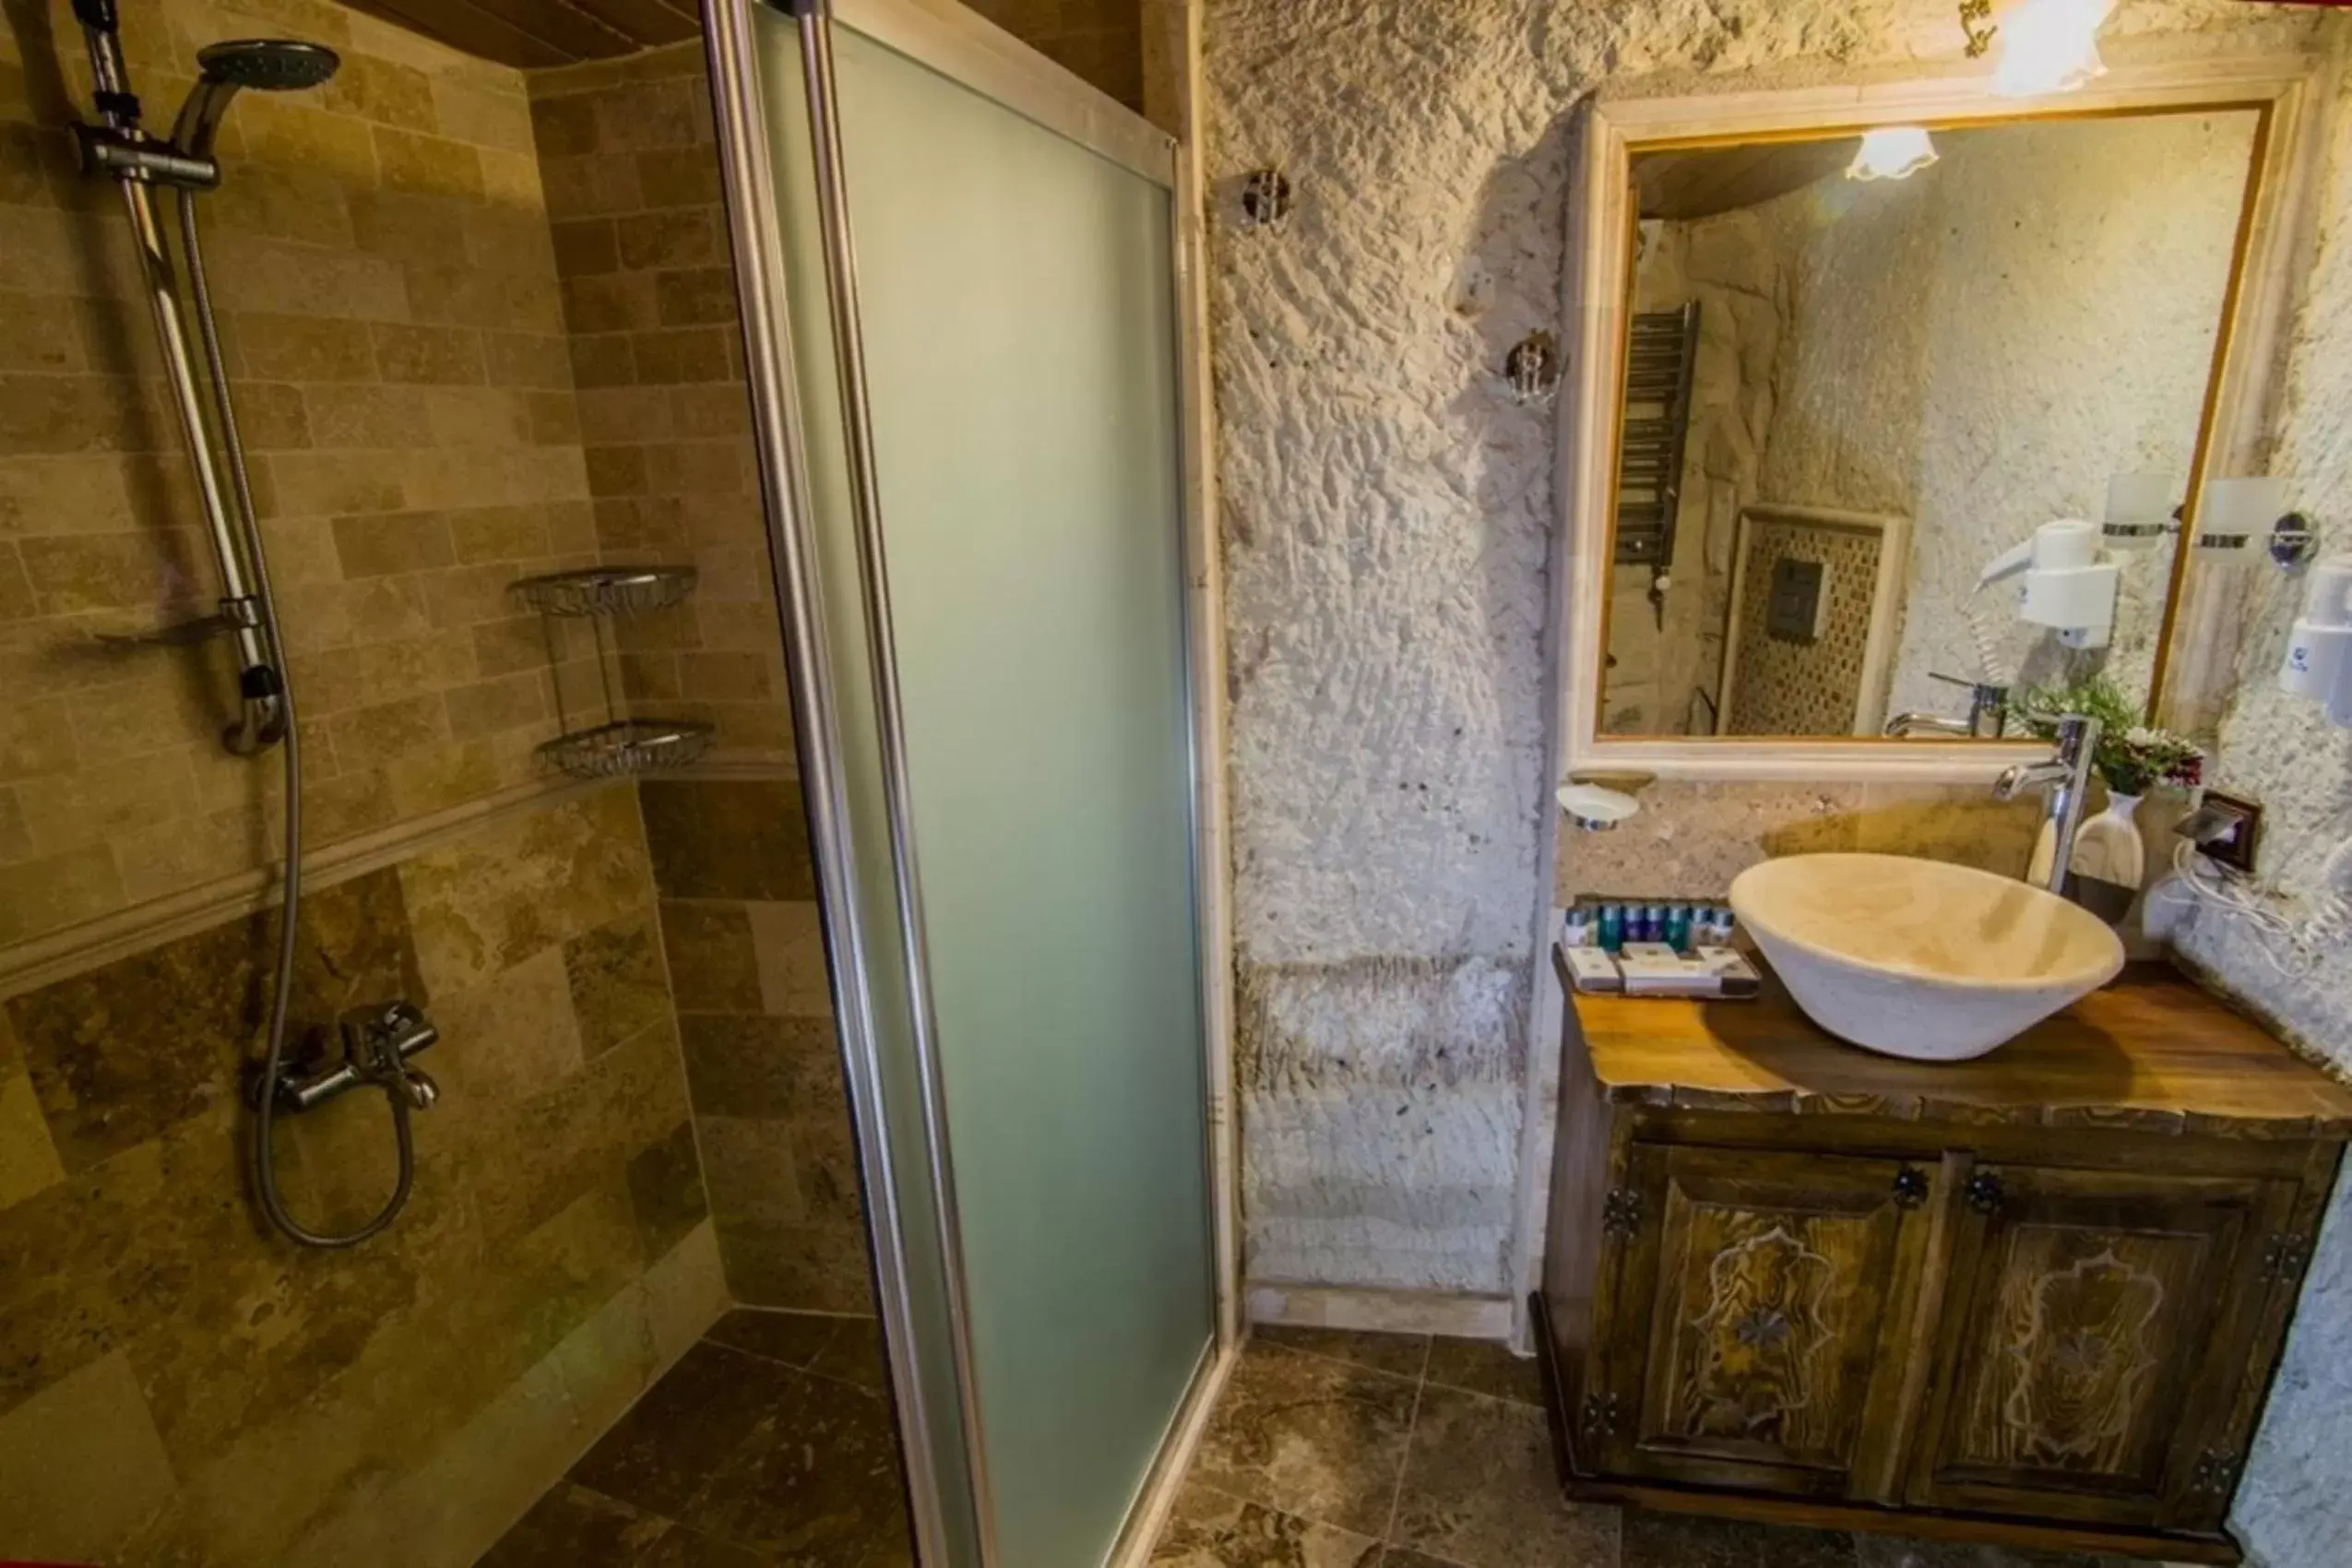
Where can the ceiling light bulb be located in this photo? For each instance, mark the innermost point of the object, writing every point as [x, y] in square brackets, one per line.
[2049, 46]
[1892, 152]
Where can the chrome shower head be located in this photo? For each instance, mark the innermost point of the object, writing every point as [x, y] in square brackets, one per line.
[270, 65]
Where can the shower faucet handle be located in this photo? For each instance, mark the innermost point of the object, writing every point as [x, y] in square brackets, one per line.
[387, 1032]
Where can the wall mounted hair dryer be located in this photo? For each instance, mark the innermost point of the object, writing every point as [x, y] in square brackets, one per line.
[2068, 587]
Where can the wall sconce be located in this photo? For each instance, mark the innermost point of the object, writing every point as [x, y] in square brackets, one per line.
[1892, 152]
[1533, 367]
[2049, 46]
[1266, 197]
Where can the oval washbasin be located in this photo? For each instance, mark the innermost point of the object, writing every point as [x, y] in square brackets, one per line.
[1920, 958]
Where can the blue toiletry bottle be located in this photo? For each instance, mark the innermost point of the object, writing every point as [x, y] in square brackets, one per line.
[1678, 928]
[1612, 926]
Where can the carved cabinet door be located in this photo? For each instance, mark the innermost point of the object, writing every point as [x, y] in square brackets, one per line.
[2096, 1328]
[1752, 1337]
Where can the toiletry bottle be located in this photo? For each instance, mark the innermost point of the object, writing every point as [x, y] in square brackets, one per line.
[1612, 926]
[1678, 927]
[1576, 930]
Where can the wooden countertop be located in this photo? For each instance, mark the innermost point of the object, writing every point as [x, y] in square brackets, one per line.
[2151, 1052]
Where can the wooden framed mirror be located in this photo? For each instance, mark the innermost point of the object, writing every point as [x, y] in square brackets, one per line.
[1836, 358]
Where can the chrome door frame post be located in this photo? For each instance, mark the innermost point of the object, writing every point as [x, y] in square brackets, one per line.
[815, 18]
[756, 232]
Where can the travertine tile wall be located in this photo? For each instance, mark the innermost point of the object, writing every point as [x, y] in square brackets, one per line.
[381, 253]
[175, 1385]
[178, 1387]
[739, 915]
[631, 176]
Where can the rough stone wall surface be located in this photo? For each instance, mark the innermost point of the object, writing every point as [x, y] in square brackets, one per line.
[1387, 511]
[2295, 1504]
[1980, 346]
[1387, 516]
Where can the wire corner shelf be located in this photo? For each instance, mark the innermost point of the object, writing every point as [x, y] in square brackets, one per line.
[606, 590]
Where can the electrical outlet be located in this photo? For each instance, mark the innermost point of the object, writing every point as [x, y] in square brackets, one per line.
[2226, 829]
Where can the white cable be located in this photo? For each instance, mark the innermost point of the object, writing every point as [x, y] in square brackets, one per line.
[2308, 927]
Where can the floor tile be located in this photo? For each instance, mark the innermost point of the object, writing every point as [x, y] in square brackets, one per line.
[816, 1484]
[854, 1355]
[661, 1453]
[1695, 1540]
[574, 1528]
[1401, 1354]
[1211, 1529]
[1482, 1366]
[793, 1338]
[1320, 1437]
[682, 1548]
[1480, 1490]
[1875, 1551]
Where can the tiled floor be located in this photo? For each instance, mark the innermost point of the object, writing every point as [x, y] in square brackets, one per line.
[768, 1446]
[1339, 1450]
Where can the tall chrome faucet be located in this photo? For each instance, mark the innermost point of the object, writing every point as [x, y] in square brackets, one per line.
[2064, 780]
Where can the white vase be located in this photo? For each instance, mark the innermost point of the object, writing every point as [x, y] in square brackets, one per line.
[2110, 855]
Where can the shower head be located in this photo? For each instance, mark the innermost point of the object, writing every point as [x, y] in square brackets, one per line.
[276, 65]
[271, 65]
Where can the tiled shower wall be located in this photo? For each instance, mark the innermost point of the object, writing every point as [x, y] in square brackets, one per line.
[175, 1384]
[631, 176]
[381, 253]
[649, 294]
[178, 1386]
[414, 271]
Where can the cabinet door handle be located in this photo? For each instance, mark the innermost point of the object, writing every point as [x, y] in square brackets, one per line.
[1984, 1191]
[1910, 1187]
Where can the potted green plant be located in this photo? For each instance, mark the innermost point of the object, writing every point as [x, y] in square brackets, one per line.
[2131, 759]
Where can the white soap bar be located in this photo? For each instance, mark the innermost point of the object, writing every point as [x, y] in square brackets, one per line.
[1647, 976]
[1594, 970]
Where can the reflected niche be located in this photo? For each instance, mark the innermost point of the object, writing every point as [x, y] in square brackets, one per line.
[1859, 383]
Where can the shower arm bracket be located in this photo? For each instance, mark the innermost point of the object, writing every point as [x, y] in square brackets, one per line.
[133, 155]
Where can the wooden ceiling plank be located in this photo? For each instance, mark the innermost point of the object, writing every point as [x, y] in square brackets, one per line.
[579, 35]
[651, 23]
[471, 30]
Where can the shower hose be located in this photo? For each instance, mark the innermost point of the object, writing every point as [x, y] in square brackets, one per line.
[264, 1168]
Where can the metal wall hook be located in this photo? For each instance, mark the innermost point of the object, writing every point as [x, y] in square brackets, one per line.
[2293, 540]
[1266, 197]
[1533, 367]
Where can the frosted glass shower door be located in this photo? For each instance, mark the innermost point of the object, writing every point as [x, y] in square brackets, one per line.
[1017, 304]
[1016, 312]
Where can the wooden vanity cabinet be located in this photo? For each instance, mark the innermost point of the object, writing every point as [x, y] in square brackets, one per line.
[2034, 1298]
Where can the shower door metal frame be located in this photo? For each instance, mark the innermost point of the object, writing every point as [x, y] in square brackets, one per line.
[958, 44]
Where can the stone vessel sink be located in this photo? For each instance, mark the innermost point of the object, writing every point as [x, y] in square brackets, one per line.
[1920, 958]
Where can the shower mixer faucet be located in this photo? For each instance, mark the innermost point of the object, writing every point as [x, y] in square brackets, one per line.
[377, 1041]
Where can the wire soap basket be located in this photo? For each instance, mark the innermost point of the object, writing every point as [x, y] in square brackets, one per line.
[623, 742]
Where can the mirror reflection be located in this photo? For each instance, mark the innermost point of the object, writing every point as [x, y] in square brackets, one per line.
[1907, 418]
